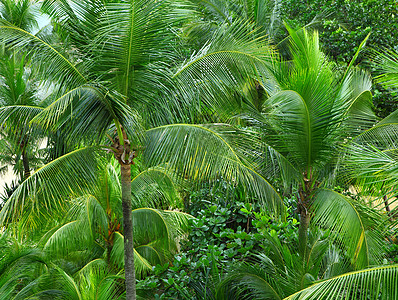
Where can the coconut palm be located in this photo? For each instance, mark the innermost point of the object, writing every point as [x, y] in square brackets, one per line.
[93, 222]
[106, 67]
[19, 101]
[376, 148]
[306, 115]
[27, 272]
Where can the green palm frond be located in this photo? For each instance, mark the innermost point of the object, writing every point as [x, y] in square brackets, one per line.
[386, 64]
[339, 214]
[371, 156]
[251, 281]
[130, 36]
[21, 13]
[155, 187]
[48, 59]
[70, 237]
[357, 103]
[54, 183]
[223, 66]
[199, 152]
[15, 120]
[142, 266]
[272, 164]
[373, 283]
[55, 284]
[87, 112]
[150, 226]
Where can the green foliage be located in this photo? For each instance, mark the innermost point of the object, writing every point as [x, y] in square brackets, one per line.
[343, 25]
[225, 231]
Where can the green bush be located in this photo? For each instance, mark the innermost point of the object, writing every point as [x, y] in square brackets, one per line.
[222, 234]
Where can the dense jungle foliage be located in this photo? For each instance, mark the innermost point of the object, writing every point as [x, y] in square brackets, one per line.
[222, 149]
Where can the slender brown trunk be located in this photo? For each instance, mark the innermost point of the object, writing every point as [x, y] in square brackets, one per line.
[25, 161]
[129, 269]
[305, 218]
[387, 205]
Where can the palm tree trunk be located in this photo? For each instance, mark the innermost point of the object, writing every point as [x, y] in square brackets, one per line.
[387, 206]
[305, 218]
[25, 161]
[129, 269]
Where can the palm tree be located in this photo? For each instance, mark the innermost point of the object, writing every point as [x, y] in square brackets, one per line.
[106, 65]
[306, 115]
[376, 148]
[19, 101]
[93, 221]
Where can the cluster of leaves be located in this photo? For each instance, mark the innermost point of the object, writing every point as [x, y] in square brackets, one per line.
[222, 235]
[343, 25]
[346, 23]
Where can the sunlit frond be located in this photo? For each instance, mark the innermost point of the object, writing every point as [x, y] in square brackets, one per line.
[339, 214]
[155, 187]
[373, 283]
[49, 59]
[46, 189]
[199, 152]
[142, 266]
[386, 63]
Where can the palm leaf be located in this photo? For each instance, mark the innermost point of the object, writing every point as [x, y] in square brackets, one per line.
[199, 152]
[224, 65]
[386, 64]
[49, 186]
[142, 266]
[155, 187]
[49, 60]
[373, 283]
[338, 213]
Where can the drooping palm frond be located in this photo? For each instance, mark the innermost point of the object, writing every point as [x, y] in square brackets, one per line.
[71, 174]
[96, 279]
[224, 65]
[281, 271]
[130, 35]
[155, 187]
[373, 283]
[198, 152]
[55, 284]
[49, 59]
[356, 103]
[339, 214]
[142, 266]
[87, 112]
[386, 64]
[15, 119]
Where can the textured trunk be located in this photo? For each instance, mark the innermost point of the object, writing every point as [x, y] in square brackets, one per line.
[387, 205]
[25, 161]
[305, 218]
[128, 232]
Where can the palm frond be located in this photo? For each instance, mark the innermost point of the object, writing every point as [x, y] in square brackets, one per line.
[155, 187]
[224, 65]
[49, 59]
[55, 284]
[198, 152]
[356, 101]
[128, 34]
[52, 184]
[373, 283]
[142, 266]
[386, 64]
[338, 213]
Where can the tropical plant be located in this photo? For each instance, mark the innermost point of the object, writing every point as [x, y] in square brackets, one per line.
[99, 66]
[306, 113]
[93, 222]
[19, 100]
